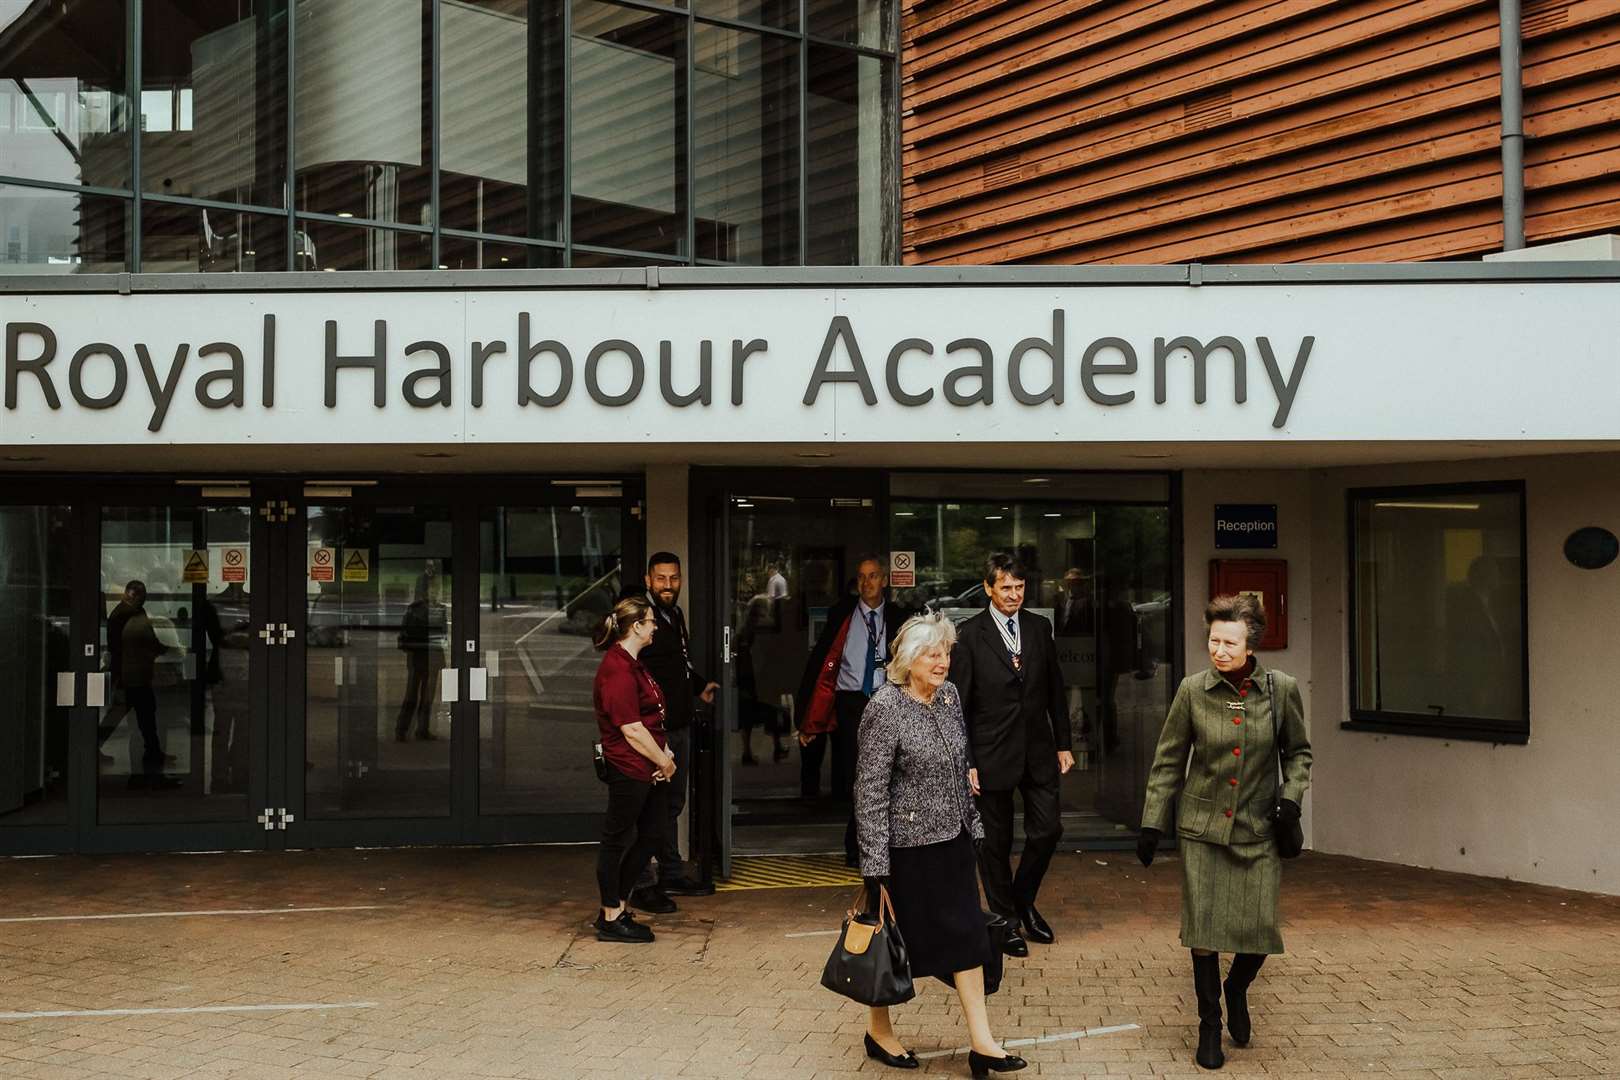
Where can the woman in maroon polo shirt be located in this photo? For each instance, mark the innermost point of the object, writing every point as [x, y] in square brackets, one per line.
[630, 719]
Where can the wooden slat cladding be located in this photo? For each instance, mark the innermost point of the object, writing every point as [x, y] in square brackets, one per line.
[1154, 131]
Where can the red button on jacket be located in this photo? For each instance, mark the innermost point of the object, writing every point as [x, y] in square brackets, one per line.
[1233, 781]
[1229, 813]
[1237, 719]
[1236, 751]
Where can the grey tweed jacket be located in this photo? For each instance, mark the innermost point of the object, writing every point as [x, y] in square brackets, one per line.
[911, 783]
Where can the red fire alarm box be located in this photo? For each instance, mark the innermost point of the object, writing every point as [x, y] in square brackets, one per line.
[1265, 579]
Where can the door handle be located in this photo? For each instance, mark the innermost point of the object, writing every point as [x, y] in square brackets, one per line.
[449, 684]
[95, 688]
[477, 684]
[66, 688]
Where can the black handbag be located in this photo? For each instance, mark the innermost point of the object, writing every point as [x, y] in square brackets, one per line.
[1289, 836]
[868, 963]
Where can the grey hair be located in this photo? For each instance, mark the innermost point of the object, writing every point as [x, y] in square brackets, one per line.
[920, 635]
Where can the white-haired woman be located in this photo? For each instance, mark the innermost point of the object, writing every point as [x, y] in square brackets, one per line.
[915, 823]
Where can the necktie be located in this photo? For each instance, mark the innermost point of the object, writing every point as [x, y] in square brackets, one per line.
[1012, 643]
[870, 674]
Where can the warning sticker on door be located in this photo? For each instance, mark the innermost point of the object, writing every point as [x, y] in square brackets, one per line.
[903, 569]
[195, 571]
[357, 565]
[233, 563]
[322, 564]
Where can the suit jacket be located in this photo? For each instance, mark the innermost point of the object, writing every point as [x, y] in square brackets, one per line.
[1017, 720]
[824, 658]
[1206, 726]
[665, 658]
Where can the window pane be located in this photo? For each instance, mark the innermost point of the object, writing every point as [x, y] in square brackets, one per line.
[746, 146]
[36, 612]
[322, 245]
[1439, 605]
[501, 117]
[609, 259]
[362, 104]
[469, 253]
[197, 239]
[62, 83]
[783, 14]
[629, 142]
[850, 183]
[58, 232]
[860, 22]
[213, 100]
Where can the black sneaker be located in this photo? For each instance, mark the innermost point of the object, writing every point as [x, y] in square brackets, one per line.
[685, 886]
[652, 899]
[624, 928]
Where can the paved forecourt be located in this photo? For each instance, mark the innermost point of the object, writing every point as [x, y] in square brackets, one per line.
[480, 963]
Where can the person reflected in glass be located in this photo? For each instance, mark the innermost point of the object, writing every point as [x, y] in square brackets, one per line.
[630, 725]
[1217, 761]
[421, 639]
[758, 616]
[916, 824]
[129, 602]
[138, 654]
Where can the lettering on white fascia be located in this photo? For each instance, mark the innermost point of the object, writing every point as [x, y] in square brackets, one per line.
[614, 372]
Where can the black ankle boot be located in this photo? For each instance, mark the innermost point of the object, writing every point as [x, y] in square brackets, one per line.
[1207, 982]
[1245, 966]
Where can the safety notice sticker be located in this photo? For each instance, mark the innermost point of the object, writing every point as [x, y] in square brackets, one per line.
[195, 571]
[233, 563]
[357, 565]
[322, 564]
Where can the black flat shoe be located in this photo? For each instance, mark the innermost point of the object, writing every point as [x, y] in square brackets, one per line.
[1035, 927]
[652, 900]
[908, 1060]
[983, 1066]
[1015, 945]
[623, 929]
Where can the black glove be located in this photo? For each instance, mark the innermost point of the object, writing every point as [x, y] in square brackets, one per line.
[874, 885]
[1290, 837]
[1147, 842]
[1287, 810]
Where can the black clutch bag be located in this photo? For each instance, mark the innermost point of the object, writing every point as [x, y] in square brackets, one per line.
[1285, 830]
[869, 963]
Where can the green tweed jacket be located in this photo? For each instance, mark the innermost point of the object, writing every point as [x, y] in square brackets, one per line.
[1229, 786]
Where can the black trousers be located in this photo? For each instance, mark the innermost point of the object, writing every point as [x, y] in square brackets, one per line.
[1005, 891]
[670, 865]
[143, 700]
[849, 706]
[632, 833]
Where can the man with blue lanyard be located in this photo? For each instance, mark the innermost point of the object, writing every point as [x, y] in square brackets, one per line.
[844, 669]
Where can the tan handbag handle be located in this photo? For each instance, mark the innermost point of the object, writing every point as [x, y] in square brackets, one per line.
[885, 905]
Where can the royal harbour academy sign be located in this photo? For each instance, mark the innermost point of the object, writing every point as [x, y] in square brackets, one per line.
[715, 365]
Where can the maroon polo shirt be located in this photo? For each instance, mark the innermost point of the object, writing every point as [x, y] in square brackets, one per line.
[626, 694]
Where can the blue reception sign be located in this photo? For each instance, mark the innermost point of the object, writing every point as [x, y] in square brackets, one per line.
[1245, 525]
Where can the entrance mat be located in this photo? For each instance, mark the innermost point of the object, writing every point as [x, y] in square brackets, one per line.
[787, 872]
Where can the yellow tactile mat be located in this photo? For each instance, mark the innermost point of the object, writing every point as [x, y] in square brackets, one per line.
[787, 872]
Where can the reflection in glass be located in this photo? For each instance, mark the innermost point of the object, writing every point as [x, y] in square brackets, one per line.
[36, 609]
[746, 146]
[201, 239]
[475, 253]
[782, 14]
[850, 180]
[63, 112]
[377, 631]
[174, 739]
[547, 577]
[363, 112]
[213, 100]
[58, 232]
[869, 23]
[327, 245]
[1100, 574]
[628, 128]
[603, 260]
[501, 112]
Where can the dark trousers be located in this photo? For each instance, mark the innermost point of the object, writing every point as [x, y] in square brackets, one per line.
[632, 833]
[848, 705]
[420, 670]
[1043, 828]
[670, 865]
[143, 700]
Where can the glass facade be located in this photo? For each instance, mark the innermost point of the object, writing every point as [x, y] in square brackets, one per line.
[195, 136]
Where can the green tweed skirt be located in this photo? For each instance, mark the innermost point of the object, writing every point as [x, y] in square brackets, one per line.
[1229, 897]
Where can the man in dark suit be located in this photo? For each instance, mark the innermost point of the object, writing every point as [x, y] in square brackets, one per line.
[1005, 667]
[843, 670]
[668, 659]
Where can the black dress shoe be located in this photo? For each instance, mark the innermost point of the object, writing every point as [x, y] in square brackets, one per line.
[1035, 927]
[624, 929]
[685, 886]
[908, 1060]
[1015, 945]
[652, 899]
[983, 1066]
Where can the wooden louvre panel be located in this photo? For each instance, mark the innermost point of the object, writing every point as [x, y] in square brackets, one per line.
[1076, 131]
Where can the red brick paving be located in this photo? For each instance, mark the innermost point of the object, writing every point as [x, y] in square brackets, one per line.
[481, 964]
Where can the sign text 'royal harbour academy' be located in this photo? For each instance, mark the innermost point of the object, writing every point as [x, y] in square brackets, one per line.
[362, 358]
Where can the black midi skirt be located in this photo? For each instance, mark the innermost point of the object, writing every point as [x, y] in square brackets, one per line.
[935, 889]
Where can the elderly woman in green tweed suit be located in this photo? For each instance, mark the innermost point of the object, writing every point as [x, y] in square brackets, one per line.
[1229, 727]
